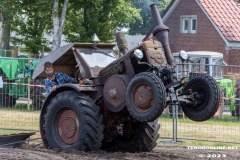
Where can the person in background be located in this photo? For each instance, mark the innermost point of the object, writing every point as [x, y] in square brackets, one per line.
[55, 79]
[236, 112]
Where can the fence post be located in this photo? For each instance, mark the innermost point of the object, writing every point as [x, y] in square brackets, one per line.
[174, 104]
[28, 104]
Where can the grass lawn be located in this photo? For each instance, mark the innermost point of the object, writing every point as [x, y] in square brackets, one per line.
[18, 119]
[227, 129]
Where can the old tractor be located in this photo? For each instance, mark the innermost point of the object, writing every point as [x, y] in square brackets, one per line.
[118, 101]
[15, 72]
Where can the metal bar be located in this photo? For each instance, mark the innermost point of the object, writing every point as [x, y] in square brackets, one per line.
[13, 129]
[11, 58]
[8, 144]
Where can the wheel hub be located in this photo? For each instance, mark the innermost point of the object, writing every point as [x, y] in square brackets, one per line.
[114, 92]
[143, 97]
[199, 99]
[68, 126]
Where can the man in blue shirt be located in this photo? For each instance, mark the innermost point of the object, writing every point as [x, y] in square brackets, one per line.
[55, 79]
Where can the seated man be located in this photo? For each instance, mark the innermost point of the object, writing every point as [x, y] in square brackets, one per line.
[55, 79]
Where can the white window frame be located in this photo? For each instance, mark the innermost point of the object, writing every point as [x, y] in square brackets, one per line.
[189, 19]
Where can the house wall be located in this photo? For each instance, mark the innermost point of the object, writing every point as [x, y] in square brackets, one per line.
[234, 57]
[207, 38]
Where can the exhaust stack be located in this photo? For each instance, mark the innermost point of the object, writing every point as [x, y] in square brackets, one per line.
[160, 31]
[121, 42]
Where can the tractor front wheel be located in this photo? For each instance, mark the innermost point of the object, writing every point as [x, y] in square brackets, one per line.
[146, 97]
[205, 97]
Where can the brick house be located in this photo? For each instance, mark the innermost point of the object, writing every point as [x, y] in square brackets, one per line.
[205, 25]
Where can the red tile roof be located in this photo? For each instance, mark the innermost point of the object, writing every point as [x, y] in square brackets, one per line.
[226, 15]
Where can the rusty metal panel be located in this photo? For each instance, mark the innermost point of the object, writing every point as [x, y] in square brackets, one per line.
[154, 52]
[63, 59]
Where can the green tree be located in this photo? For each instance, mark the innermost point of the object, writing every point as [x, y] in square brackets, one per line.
[7, 14]
[30, 19]
[102, 17]
[30, 23]
[143, 25]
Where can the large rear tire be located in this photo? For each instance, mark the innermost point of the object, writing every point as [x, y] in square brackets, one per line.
[146, 97]
[73, 121]
[137, 137]
[206, 96]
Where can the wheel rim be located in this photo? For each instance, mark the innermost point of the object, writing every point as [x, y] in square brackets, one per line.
[68, 126]
[142, 97]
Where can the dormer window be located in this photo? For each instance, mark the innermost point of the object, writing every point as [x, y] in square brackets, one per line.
[188, 24]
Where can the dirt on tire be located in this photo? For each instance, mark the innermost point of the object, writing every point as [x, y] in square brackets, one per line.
[167, 152]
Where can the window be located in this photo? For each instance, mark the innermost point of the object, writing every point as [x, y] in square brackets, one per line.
[189, 24]
[97, 58]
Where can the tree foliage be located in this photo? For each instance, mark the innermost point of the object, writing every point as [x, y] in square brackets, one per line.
[30, 19]
[29, 23]
[143, 25]
[102, 17]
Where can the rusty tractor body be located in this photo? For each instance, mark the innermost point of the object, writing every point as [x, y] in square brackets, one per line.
[118, 101]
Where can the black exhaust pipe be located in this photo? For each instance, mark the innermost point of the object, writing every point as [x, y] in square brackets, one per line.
[160, 31]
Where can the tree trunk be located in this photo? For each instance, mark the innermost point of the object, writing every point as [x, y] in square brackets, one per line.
[58, 23]
[6, 35]
[6, 24]
[55, 25]
[1, 31]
